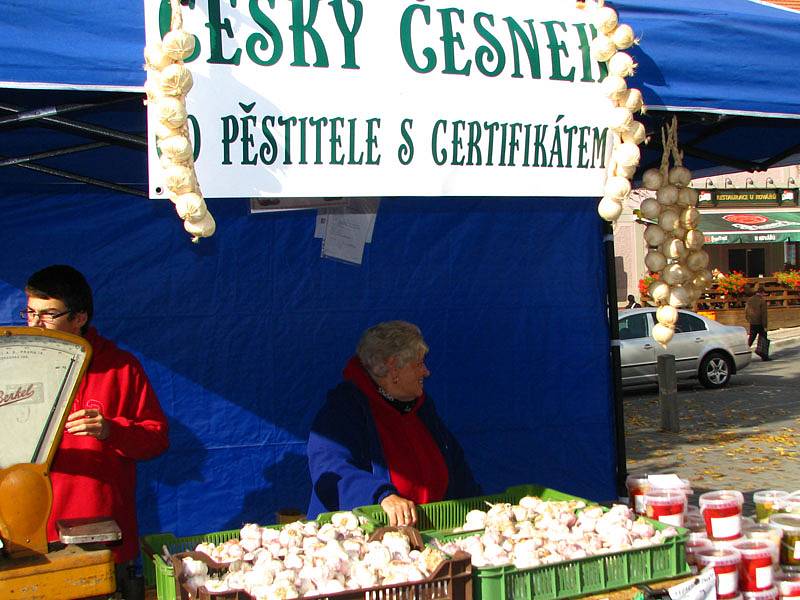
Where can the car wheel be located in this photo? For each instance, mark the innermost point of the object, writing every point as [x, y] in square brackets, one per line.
[715, 370]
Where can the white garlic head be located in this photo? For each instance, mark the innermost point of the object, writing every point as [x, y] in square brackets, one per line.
[667, 195]
[680, 176]
[697, 260]
[609, 209]
[653, 179]
[655, 261]
[654, 235]
[650, 208]
[621, 64]
[618, 187]
[663, 334]
[614, 87]
[659, 291]
[668, 315]
[687, 196]
[178, 44]
[627, 154]
[690, 217]
[155, 57]
[635, 133]
[668, 219]
[623, 36]
[171, 111]
[176, 80]
[632, 100]
[602, 48]
[678, 296]
[605, 19]
[674, 274]
[694, 239]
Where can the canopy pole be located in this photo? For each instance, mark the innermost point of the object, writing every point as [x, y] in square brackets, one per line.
[616, 362]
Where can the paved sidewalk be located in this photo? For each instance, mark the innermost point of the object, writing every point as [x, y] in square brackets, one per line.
[745, 436]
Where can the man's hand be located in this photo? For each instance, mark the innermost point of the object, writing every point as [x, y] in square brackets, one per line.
[399, 510]
[88, 422]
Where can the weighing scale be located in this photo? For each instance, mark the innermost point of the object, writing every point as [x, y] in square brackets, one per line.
[40, 371]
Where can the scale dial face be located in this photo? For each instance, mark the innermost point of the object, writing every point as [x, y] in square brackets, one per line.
[40, 371]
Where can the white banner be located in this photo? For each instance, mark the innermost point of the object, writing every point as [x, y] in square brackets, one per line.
[307, 98]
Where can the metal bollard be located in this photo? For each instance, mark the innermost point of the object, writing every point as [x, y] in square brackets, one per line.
[668, 393]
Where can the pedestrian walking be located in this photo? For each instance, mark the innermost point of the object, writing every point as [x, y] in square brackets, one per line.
[755, 312]
[632, 303]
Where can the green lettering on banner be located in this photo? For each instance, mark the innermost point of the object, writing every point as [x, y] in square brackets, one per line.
[230, 133]
[541, 131]
[599, 145]
[248, 141]
[586, 52]
[442, 157]
[336, 141]
[405, 153]
[373, 124]
[449, 39]
[348, 33]
[531, 47]
[556, 47]
[457, 144]
[351, 158]
[301, 28]
[490, 128]
[485, 54]
[513, 144]
[216, 26]
[287, 123]
[406, 40]
[303, 121]
[268, 26]
[555, 149]
[472, 144]
[318, 124]
[583, 163]
[570, 131]
[268, 152]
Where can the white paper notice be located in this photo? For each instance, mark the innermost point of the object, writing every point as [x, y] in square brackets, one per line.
[348, 229]
[702, 587]
[322, 222]
[667, 480]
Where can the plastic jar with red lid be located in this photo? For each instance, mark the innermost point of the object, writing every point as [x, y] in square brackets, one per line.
[725, 562]
[665, 506]
[722, 511]
[765, 531]
[788, 584]
[638, 486]
[755, 568]
[694, 545]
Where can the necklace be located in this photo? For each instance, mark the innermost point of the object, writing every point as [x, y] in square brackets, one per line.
[401, 406]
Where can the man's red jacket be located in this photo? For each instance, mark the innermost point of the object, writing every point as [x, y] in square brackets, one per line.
[97, 478]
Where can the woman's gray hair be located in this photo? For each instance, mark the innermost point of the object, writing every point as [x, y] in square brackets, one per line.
[383, 341]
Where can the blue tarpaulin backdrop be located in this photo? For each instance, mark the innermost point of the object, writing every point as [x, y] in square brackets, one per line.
[243, 333]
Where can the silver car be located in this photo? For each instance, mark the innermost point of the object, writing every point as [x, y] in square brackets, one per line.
[703, 348]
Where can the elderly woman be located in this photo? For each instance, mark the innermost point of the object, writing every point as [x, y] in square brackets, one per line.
[378, 438]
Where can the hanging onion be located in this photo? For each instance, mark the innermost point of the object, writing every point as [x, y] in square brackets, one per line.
[650, 208]
[674, 274]
[694, 239]
[652, 179]
[658, 291]
[176, 80]
[621, 64]
[687, 196]
[667, 315]
[635, 133]
[178, 44]
[668, 219]
[655, 261]
[190, 206]
[680, 176]
[632, 100]
[180, 179]
[155, 57]
[662, 334]
[602, 48]
[205, 227]
[690, 217]
[620, 118]
[609, 209]
[614, 87]
[667, 195]
[654, 235]
[627, 154]
[605, 19]
[618, 187]
[679, 232]
[673, 248]
[678, 296]
[178, 148]
[623, 37]
[171, 112]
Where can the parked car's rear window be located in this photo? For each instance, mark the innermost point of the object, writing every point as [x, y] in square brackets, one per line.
[688, 323]
[633, 326]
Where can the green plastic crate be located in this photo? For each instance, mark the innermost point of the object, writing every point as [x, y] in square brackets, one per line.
[157, 572]
[448, 514]
[590, 575]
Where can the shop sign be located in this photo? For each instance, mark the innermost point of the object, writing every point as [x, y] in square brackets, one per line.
[306, 98]
[748, 197]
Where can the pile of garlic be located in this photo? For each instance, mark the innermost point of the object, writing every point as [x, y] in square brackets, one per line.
[306, 559]
[675, 244]
[537, 532]
[168, 82]
[612, 38]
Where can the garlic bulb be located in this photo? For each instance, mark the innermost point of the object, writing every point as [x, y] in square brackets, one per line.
[654, 235]
[205, 227]
[667, 195]
[609, 209]
[190, 206]
[655, 261]
[164, 131]
[659, 291]
[667, 314]
[605, 19]
[635, 133]
[687, 197]
[155, 57]
[624, 170]
[178, 44]
[697, 260]
[623, 37]
[171, 112]
[632, 100]
[662, 334]
[668, 219]
[678, 296]
[152, 87]
[674, 274]
[620, 119]
[652, 179]
[602, 48]
[690, 218]
[176, 80]
[650, 208]
[627, 154]
[180, 179]
[618, 187]
[177, 148]
[673, 248]
[614, 87]
[621, 64]
[680, 176]
[694, 239]
[679, 232]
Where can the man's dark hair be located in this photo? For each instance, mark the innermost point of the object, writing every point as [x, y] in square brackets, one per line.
[62, 282]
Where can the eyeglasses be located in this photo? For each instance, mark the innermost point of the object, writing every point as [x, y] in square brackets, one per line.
[44, 317]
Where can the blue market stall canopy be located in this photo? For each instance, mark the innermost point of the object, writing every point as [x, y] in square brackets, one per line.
[749, 227]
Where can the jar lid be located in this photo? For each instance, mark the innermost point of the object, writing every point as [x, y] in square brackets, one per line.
[762, 595]
[718, 556]
[664, 497]
[761, 530]
[767, 495]
[721, 499]
[637, 478]
[754, 548]
[788, 522]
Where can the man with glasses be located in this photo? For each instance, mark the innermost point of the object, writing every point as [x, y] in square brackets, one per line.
[116, 420]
